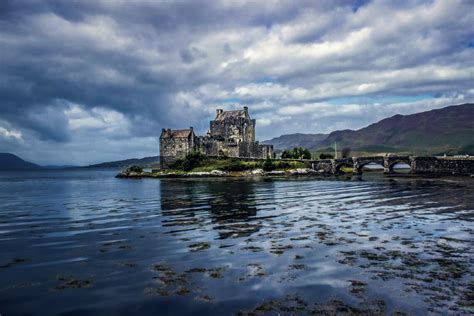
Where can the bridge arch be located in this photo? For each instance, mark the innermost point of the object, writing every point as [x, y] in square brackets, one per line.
[392, 166]
[391, 162]
[339, 166]
[361, 162]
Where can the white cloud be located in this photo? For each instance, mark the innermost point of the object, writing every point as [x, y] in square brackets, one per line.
[10, 133]
[125, 70]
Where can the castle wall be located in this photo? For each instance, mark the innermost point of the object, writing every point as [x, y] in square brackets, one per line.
[172, 149]
[226, 129]
[249, 132]
[231, 134]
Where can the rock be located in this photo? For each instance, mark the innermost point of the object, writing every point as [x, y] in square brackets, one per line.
[213, 173]
[218, 173]
[302, 171]
[257, 172]
[198, 174]
[275, 173]
[132, 171]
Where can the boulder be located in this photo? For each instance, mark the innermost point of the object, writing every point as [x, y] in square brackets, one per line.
[257, 172]
[302, 171]
[219, 173]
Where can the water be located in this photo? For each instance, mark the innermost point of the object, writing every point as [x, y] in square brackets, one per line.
[80, 242]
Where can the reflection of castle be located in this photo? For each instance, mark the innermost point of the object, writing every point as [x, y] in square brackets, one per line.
[231, 134]
[230, 207]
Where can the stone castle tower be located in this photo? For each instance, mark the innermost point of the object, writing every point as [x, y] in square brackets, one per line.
[231, 134]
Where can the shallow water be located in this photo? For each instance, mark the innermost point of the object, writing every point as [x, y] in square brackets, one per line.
[82, 241]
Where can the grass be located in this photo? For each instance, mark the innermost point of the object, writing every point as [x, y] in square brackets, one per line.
[346, 169]
[237, 165]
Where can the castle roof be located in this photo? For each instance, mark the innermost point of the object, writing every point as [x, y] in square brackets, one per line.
[230, 114]
[176, 133]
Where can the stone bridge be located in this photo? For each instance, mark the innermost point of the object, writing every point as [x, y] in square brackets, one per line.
[463, 165]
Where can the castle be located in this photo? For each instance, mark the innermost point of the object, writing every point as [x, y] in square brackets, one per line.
[231, 134]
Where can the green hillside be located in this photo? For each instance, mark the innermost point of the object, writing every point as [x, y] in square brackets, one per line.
[448, 130]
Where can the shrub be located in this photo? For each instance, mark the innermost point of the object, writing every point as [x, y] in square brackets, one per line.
[192, 160]
[282, 165]
[178, 165]
[296, 153]
[326, 156]
[135, 168]
[346, 151]
[234, 165]
[268, 165]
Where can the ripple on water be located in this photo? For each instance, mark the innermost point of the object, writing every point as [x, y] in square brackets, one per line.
[224, 246]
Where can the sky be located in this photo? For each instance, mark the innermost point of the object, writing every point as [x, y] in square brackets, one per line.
[83, 82]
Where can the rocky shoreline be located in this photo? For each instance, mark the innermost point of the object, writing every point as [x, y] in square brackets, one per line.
[127, 173]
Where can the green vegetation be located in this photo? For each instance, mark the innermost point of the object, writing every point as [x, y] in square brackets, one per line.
[268, 165]
[296, 153]
[198, 162]
[346, 169]
[448, 130]
[326, 156]
[192, 160]
[135, 169]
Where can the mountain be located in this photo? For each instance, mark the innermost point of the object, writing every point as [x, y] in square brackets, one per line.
[127, 162]
[59, 166]
[296, 140]
[449, 129]
[12, 162]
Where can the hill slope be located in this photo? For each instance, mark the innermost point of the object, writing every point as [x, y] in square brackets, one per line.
[293, 140]
[127, 162]
[12, 162]
[449, 129]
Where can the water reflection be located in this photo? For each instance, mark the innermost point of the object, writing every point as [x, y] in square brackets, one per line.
[231, 205]
[86, 242]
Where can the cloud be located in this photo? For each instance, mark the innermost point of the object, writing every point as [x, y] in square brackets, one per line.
[101, 74]
[5, 133]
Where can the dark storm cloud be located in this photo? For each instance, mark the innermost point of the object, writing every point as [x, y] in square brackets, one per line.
[84, 75]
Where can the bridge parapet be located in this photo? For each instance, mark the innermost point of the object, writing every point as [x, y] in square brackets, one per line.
[463, 165]
[391, 161]
[443, 165]
[360, 162]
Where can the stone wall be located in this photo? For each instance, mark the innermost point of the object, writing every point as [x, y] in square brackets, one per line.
[172, 149]
[231, 134]
[443, 165]
[323, 165]
[238, 129]
[219, 148]
[419, 165]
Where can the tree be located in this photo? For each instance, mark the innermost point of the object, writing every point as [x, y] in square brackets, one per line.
[346, 152]
[193, 160]
[286, 154]
[296, 153]
[268, 165]
[326, 156]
